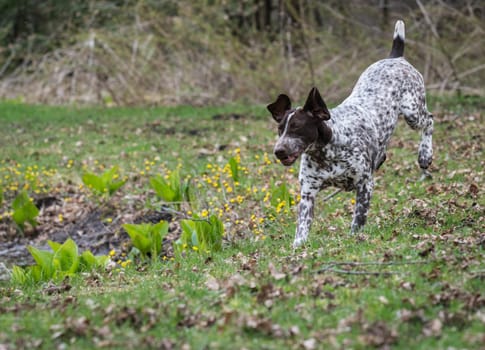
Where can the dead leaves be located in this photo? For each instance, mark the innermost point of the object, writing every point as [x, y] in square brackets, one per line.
[52, 288]
[375, 334]
[212, 283]
[256, 323]
[449, 294]
[104, 333]
[259, 324]
[378, 334]
[71, 327]
[276, 274]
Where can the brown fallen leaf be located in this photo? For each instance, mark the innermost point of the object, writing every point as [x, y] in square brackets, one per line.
[277, 275]
[473, 189]
[433, 328]
[212, 283]
[379, 334]
[383, 300]
[104, 332]
[309, 344]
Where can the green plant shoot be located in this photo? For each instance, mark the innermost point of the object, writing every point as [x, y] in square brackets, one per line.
[63, 261]
[200, 235]
[234, 166]
[280, 196]
[171, 190]
[147, 238]
[105, 184]
[24, 210]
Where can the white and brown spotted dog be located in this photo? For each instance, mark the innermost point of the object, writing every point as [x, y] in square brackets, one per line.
[342, 147]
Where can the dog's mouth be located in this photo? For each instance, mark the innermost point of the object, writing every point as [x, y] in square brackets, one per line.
[290, 159]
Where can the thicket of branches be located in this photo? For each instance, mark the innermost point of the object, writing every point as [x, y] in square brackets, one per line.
[216, 51]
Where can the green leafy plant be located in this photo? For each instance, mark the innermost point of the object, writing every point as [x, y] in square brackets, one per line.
[147, 238]
[281, 197]
[88, 261]
[104, 185]
[234, 166]
[200, 235]
[61, 262]
[172, 190]
[24, 210]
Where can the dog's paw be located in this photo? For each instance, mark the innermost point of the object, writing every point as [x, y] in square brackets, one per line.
[298, 242]
[355, 228]
[425, 175]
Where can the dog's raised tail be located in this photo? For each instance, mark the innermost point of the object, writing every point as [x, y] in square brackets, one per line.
[398, 41]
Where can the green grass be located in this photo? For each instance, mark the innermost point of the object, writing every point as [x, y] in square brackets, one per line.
[416, 281]
[50, 136]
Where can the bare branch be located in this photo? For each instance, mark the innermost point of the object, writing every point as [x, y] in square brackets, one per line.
[440, 43]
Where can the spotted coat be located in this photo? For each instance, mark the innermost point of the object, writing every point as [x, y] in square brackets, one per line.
[343, 146]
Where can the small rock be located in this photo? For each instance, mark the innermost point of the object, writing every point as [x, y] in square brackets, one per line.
[383, 300]
[4, 273]
[310, 344]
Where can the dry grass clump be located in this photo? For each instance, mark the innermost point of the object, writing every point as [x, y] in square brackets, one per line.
[202, 54]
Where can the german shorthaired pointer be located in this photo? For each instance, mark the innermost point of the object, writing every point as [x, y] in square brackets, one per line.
[342, 147]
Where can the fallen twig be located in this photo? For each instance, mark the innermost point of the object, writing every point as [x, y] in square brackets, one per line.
[477, 273]
[332, 195]
[382, 263]
[331, 267]
[352, 272]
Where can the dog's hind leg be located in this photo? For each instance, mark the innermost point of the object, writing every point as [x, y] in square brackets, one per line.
[362, 202]
[418, 118]
[381, 161]
[425, 152]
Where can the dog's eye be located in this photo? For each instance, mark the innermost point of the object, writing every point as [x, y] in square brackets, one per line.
[296, 125]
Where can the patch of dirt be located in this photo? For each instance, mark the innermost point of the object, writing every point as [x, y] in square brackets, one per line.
[94, 228]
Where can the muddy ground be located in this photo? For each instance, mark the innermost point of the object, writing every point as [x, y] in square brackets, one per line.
[93, 226]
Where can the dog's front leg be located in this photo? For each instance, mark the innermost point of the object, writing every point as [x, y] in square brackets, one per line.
[362, 202]
[310, 185]
[305, 217]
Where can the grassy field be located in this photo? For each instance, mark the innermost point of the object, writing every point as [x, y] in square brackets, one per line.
[413, 279]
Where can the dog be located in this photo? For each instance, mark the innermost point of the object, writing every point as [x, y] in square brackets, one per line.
[343, 146]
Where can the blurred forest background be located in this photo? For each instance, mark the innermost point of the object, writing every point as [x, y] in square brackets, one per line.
[132, 52]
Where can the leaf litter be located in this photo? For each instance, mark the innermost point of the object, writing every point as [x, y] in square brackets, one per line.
[447, 245]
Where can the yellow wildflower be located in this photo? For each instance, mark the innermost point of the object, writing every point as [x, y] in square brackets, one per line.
[125, 263]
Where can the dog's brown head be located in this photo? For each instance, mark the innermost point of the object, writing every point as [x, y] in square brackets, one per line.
[299, 127]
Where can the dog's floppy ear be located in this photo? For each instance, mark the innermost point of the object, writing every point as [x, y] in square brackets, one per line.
[279, 107]
[315, 105]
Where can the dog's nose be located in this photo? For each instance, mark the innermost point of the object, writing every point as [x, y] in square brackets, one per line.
[280, 153]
